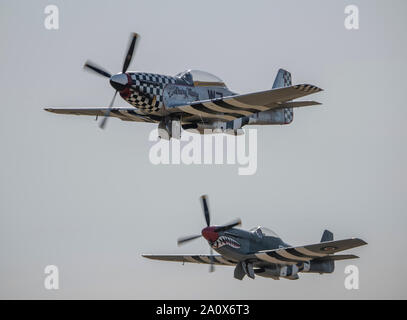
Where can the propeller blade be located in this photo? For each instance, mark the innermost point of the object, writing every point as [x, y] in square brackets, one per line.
[205, 208]
[212, 265]
[229, 225]
[187, 238]
[95, 68]
[107, 113]
[130, 51]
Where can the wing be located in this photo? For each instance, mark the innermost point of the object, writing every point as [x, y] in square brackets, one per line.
[322, 250]
[282, 256]
[125, 114]
[201, 258]
[244, 105]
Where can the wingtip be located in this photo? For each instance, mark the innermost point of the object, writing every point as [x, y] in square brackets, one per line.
[361, 241]
[310, 88]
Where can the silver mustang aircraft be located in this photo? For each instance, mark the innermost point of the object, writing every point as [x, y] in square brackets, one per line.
[194, 100]
[261, 252]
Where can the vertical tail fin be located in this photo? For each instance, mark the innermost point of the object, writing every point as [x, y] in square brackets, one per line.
[327, 236]
[330, 264]
[326, 264]
[283, 79]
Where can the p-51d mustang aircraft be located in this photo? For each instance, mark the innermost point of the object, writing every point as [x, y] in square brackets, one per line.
[261, 252]
[194, 100]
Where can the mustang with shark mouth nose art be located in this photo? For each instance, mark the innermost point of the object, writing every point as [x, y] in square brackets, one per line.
[194, 100]
[259, 251]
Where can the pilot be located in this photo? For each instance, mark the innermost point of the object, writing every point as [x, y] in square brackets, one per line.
[187, 77]
[259, 232]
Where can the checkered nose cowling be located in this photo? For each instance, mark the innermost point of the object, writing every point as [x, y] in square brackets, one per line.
[146, 91]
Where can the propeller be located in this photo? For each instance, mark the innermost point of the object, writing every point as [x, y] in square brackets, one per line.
[204, 201]
[212, 265]
[230, 225]
[209, 231]
[130, 51]
[107, 113]
[89, 65]
[182, 240]
[118, 81]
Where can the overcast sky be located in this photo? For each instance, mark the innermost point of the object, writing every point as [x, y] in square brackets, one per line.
[90, 201]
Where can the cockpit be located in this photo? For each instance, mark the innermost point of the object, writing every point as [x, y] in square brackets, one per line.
[263, 232]
[200, 78]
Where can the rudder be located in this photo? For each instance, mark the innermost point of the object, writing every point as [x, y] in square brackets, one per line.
[283, 79]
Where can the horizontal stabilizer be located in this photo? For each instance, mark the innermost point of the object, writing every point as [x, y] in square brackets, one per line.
[337, 257]
[294, 255]
[299, 104]
[330, 247]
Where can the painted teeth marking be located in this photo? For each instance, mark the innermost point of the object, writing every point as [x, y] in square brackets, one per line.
[226, 241]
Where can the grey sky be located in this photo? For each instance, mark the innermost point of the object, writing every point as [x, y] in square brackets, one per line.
[90, 202]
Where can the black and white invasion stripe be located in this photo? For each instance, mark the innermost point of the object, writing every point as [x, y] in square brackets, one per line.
[223, 109]
[206, 259]
[289, 256]
[307, 88]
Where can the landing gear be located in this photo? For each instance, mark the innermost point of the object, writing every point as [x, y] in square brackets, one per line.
[244, 268]
[169, 128]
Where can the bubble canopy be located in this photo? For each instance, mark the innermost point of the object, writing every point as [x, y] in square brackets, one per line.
[264, 232]
[200, 78]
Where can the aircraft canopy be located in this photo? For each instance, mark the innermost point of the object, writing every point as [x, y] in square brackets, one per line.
[264, 232]
[201, 78]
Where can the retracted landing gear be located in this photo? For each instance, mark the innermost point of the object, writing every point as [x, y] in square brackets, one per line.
[169, 128]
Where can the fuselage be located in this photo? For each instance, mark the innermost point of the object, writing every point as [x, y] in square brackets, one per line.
[238, 243]
[157, 95]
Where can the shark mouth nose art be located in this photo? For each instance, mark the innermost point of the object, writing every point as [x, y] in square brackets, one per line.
[225, 241]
